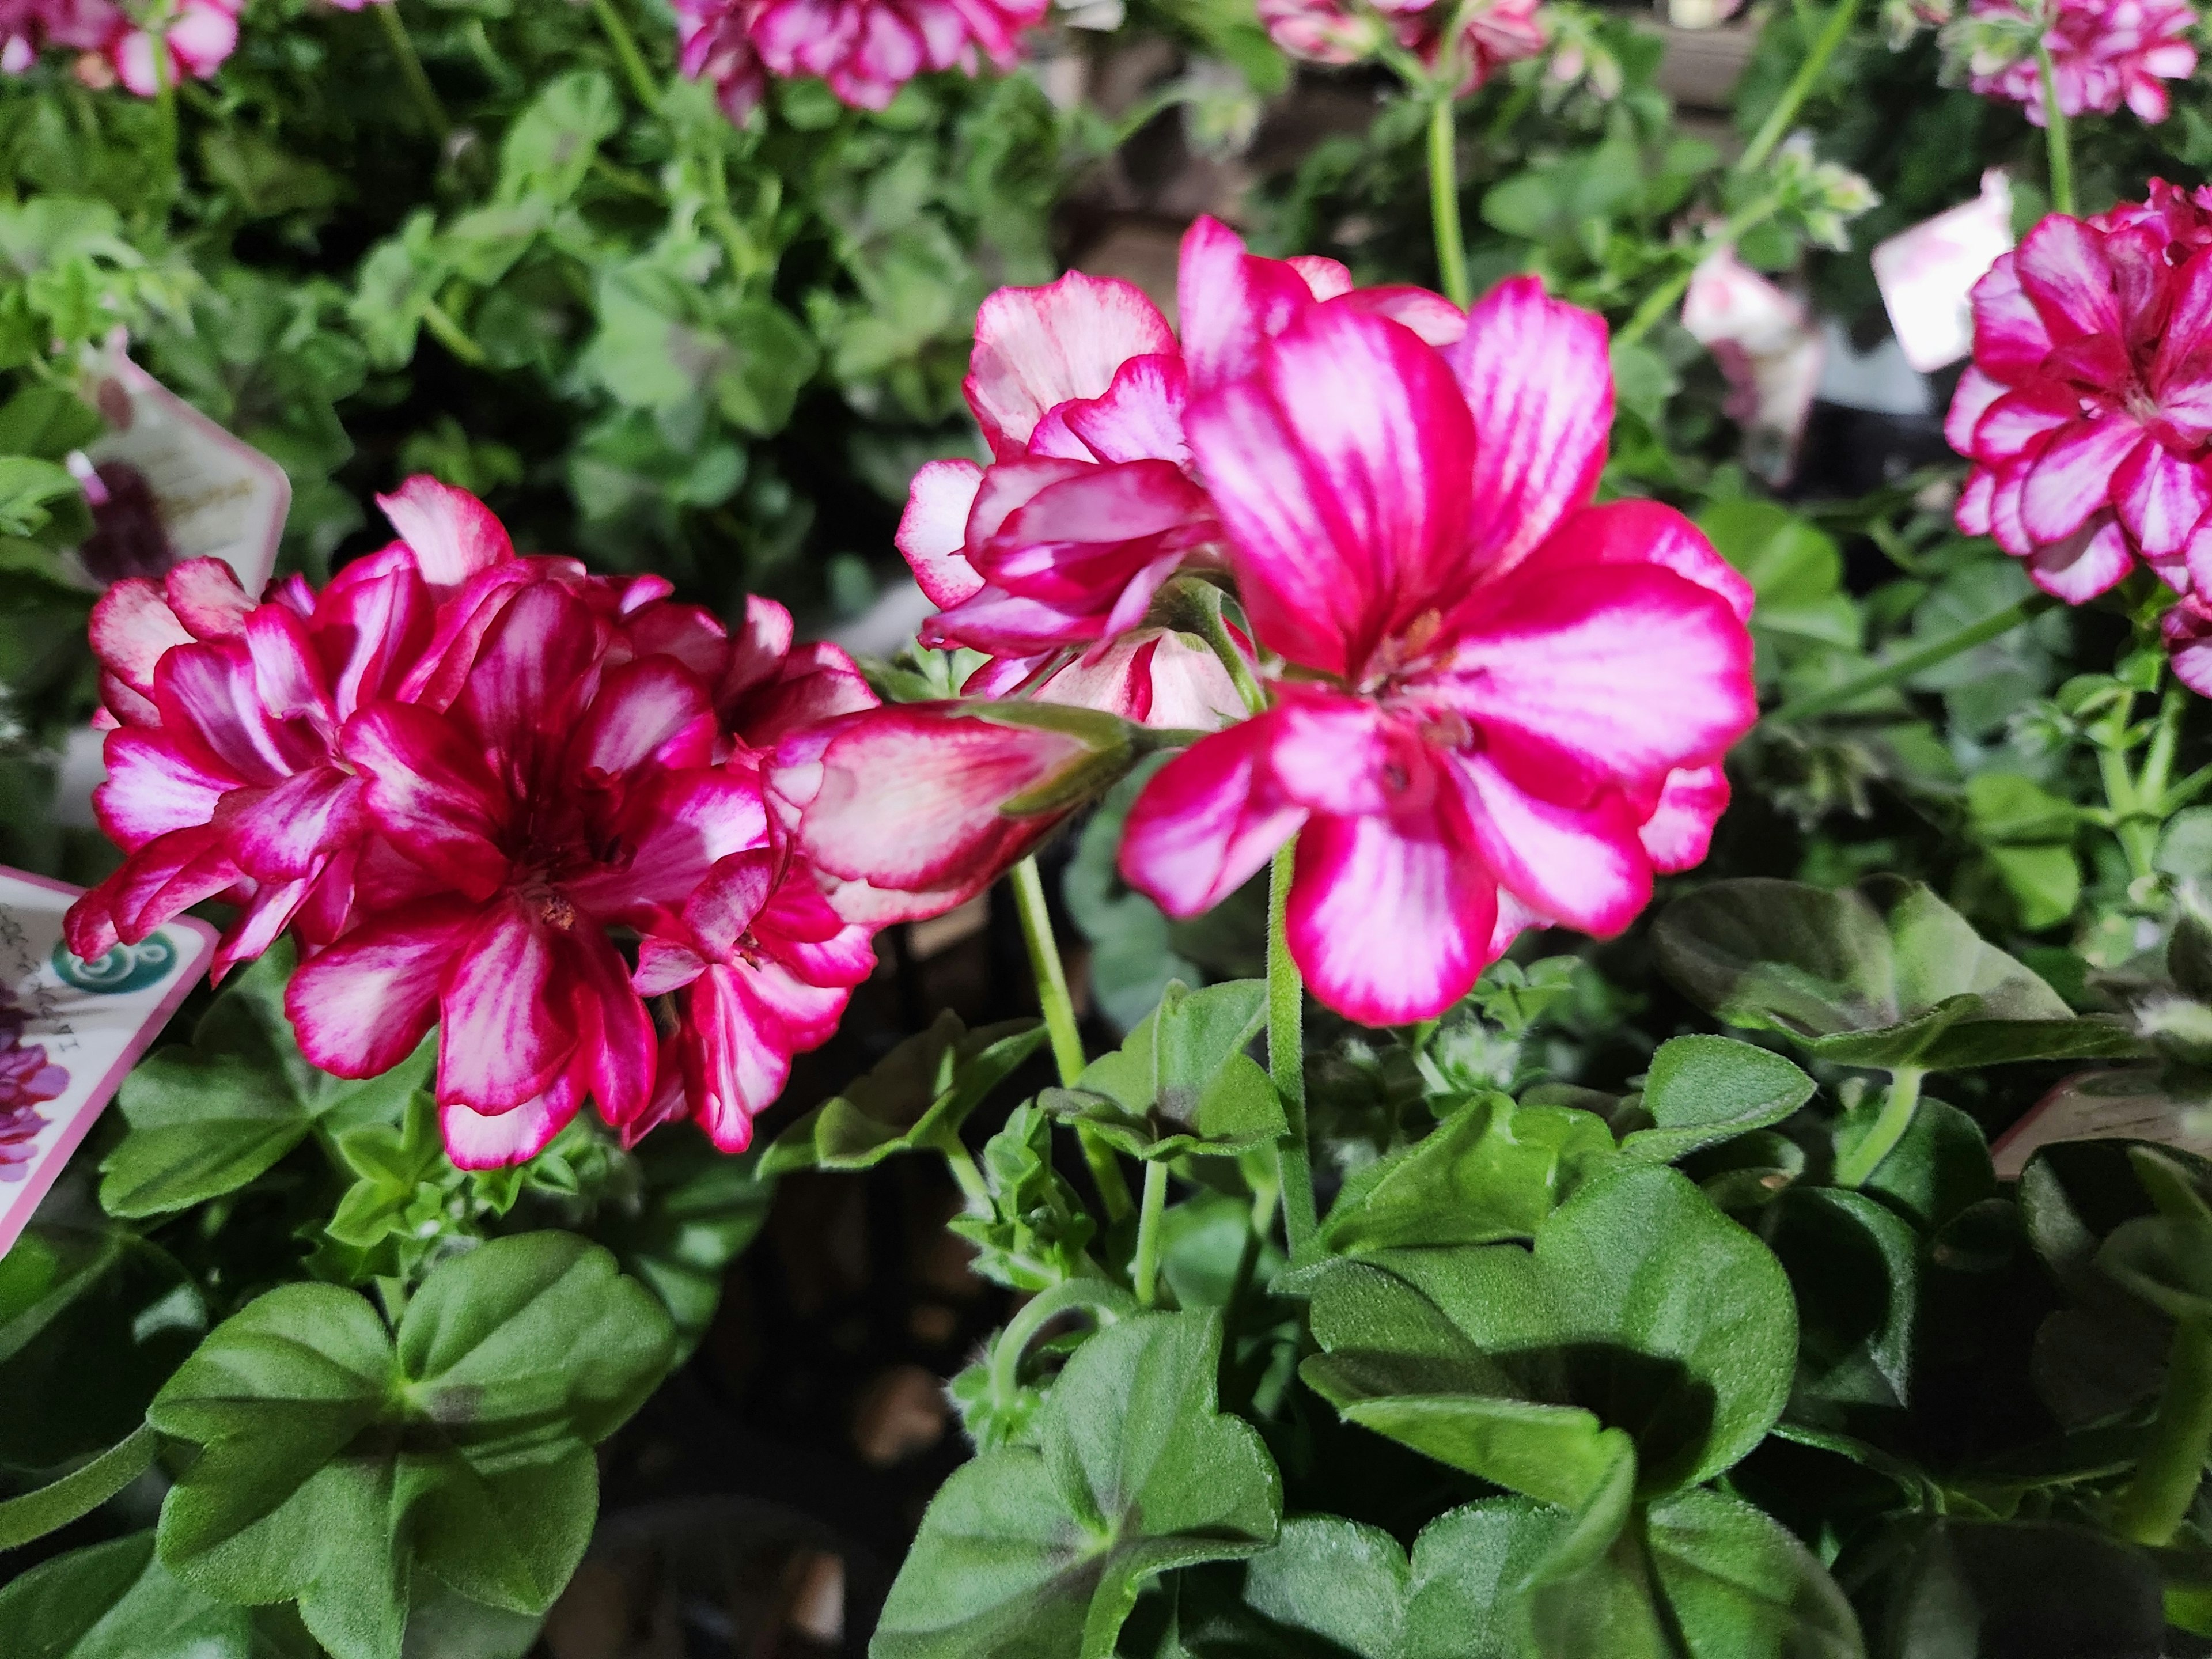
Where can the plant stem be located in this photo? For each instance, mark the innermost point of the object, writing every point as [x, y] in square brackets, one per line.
[2158, 765]
[1060, 1023]
[1144, 1275]
[1854, 1169]
[1779, 120]
[962, 1163]
[1200, 611]
[451, 335]
[1040, 1311]
[2055, 134]
[1912, 662]
[1444, 201]
[2151, 1509]
[78, 1494]
[1662, 299]
[165, 101]
[412, 72]
[641, 79]
[1287, 1058]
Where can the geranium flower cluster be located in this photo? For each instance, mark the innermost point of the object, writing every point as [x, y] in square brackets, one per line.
[2087, 409]
[1488, 703]
[140, 50]
[1477, 40]
[2104, 53]
[464, 780]
[864, 50]
[28, 1080]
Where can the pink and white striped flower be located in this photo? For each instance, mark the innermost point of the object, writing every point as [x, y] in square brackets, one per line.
[2103, 53]
[189, 38]
[864, 50]
[1501, 703]
[1488, 36]
[2087, 409]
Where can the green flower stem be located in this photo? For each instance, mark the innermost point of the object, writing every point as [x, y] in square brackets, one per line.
[1286, 1059]
[1444, 201]
[2152, 787]
[76, 1495]
[1201, 612]
[1855, 1168]
[2151, 1509]
[451, 335]
[1664, 298]
[1059, 1024]
[1912, 662]
[412, 72]
[1108, 1300]
[165, 103]
[962, 1163]
[641, 79]
[2055, 134]
[1144, 1275]
[1783, 115]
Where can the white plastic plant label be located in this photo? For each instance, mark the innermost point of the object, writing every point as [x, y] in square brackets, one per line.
[69, 1030]
[1927, 274]
[168, 484]
[1763, 338]
[2121, 1104]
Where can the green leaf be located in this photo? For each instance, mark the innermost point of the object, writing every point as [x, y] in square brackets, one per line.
[1642, 1314]
[29, 491]
[701, 1207]
[550, 149]
[1797, 572]
[1039, 1551]
[1855, 1266]
[336, 1458]
[208, 1118]
[116, 1601]
[1740, 1584]
[2165, 1258]
[1705, 1090]
[1883, 975]
[913, 1099]
[1037, 1230]
[1182, 1082]
[1491, 1170]
[48, 422]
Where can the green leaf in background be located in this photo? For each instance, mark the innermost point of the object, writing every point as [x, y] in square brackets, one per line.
[1182, 1082]
[1883, 975]
[699, 1210]
[48, 422]
[2027, 834]
[1039, 1551]
[116, 1601]
[1491, 1170]
[1642, 1314]
[1704, 1090]
[550, 149]
[1797, 572]
[1738, 1583]
[913, 1099]
[1036, 1231]
[208, 1118]
[2165, 1258]
[336, 1458]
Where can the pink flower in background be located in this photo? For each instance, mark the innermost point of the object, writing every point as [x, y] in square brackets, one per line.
[2188, 631]
[2103, 53]
[2087, 409]
[27, 1079]
[196, 38]
[1512, 703]
[865, 50]
[28, 26]
[1489, 36]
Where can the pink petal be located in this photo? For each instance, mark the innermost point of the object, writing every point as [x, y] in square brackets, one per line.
[1646, 532]
[618, 1048]
[2072, 478]
[669, 836]
[2018, 421]
[479, 1140]
[1390, 918]
[2188, 630]
[361, 1006]
[2061, 268]
[819, 682]
[454, 535]
[372, 633]
[208, 694]
[736, 1051]
[1680, 830]
[651, 711]
[505, 1032]
[431, 793]
[908, 797]
[1341, 472]
[1152, 677]
[1976, 393]
[1209, 820]
[538, 659]
[1431, 316]
[2010, 336]
[755, 653]
[2161, 499]
[1077, 542]
[932, 532]
[1344, 757]
[2094, 559]
[1037, 348]
[1138, 417]
[166, 877]
[288, 833]
[1540, 384]
[1583, 866]
[1325, 279]
[155, 785]
[1230, 304]
[206, 597]
[288, 675]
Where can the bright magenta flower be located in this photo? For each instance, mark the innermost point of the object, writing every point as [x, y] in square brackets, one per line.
[197, 38]
[865, 50]
[1501, 688]
[27, 27]
[2087, 409]
[2188, 630]
[714, 42]
[1491, 35]
[2103, 53]
[1090, 503]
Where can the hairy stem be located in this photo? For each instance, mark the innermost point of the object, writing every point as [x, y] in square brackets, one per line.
[1444, 201]
[624, 43]
[1783, 115]
[1201, 612]
[2152, 1509]
[2055, 134]
[1059, 1024]
[78, 1494]
[1912, 662]
[412, 72]
[1109, 1301]
[1144, 1274]
[1858, 1166]
[1286, 993]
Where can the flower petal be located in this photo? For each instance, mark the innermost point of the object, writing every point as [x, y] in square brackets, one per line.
[1680, 830]
[1231, 303]
[2073, 478]
[452, 534]
[494, 1141]
[1037, 348]
[2010, 336]
[2062, 268]
[2160, 498]
[1583, 866]
[932, 532]
[361, 1006]
[1208, 821]
[431, 793]
[506, 1030]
